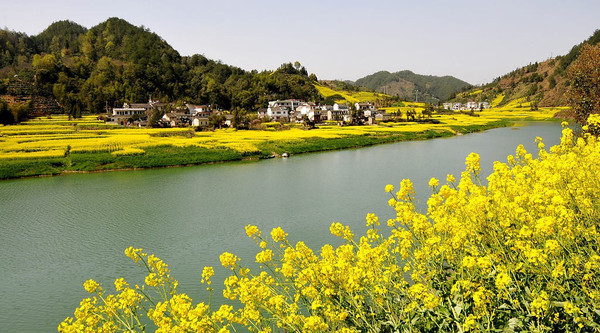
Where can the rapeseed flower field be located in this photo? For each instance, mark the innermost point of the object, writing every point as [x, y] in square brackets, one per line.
[349, 96]
[516, 253]
[79, 141]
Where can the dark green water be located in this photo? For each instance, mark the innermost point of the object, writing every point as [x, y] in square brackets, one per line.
[57, 232]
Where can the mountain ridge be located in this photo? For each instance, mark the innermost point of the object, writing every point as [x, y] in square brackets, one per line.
[405, 84]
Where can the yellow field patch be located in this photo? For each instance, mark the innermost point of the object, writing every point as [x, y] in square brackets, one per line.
[350, 96]
[38, 139]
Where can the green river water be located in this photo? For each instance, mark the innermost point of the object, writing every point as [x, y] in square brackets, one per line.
[57, 232]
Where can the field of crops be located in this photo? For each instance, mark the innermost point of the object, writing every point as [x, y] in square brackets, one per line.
[62, 144]
[349, 96]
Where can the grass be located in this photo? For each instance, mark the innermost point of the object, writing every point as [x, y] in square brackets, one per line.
[54, 146]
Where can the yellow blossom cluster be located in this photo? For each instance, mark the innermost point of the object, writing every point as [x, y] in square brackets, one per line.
[158, 299]
[520, 253]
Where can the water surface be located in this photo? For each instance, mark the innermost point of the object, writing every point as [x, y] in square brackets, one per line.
[59, 231]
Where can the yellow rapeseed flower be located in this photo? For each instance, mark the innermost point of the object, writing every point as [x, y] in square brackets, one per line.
[228, 259]
[207, 273]
[472, 163]
[91, 286]
[433, 182]
[252, 231]
[278, 234]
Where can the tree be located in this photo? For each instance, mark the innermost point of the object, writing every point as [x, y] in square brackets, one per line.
[584, 74]
[155, 116]
[411, 115]
[216, 120]
[428, 111]
[6, 117]
[358, 116]
[307, 123]
[240, 118]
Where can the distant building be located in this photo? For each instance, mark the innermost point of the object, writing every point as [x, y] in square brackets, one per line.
[368, 109]
[228, 120]
[311, 110]
[383, 116]
[291, 104]
[278, 113]
[282, 110]
[176, 119]
[122, 116]
[472, 105]
[203, 111]
[262, 113]
[469, 106]
[340, 112]
[200, 121]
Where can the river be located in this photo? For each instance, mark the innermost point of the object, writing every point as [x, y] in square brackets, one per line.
[59, 231]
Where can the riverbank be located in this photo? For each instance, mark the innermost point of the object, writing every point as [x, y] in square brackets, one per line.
[44, 147]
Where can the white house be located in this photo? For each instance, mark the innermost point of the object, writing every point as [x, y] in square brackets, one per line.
[305, 108]
[199, 110]
[340, 112]
[278, 113]
[291, 104]
[457, 106]
[126, 110]
[472, 105]
[200, 122]
[311, 110]
[364, 106]
[120, 116]
[368, 109]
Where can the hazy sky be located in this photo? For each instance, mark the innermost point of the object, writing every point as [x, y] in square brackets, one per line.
[474, 40]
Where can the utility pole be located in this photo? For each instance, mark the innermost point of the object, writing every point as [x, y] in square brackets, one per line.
[417, 95]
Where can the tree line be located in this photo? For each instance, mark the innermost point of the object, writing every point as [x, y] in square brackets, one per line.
[116, 62]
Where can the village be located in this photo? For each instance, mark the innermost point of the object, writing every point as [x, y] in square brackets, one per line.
[283, 111]
[469, 106]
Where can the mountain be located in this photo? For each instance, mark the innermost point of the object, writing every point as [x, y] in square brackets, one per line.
[59, 36]
[116, 62]
[542, 84]
[405, 84]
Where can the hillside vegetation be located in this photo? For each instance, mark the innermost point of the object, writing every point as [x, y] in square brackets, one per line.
[116, 62]
[403, 84]
[538, 84]
[340, 92]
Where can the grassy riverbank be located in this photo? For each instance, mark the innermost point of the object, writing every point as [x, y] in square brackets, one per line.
[51, 146]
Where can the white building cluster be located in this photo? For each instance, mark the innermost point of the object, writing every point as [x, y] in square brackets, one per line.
[466, 107]
[295, 110]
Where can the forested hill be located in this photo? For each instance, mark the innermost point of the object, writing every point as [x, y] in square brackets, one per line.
[404, 83]
[542, 84]
[116, 62]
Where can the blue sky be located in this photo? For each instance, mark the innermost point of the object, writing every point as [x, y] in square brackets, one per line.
[474, 40]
